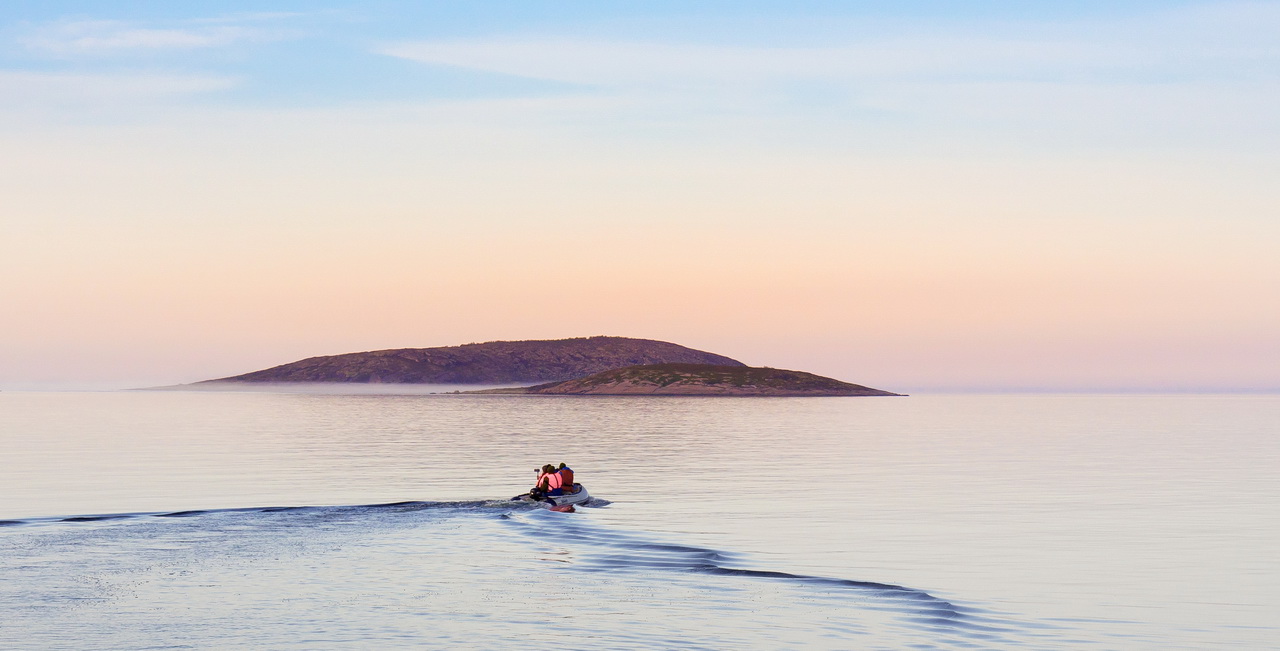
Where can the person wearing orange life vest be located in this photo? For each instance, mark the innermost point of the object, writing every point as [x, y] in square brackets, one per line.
[566, 478]
[549, 481]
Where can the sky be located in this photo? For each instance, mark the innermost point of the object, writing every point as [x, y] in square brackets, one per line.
[916, 196]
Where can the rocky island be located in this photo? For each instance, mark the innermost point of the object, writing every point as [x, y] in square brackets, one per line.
[494, 362]
[585, 366]
[697, 380]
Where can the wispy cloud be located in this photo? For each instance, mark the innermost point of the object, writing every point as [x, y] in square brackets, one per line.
[105, 37]
[622, 63]
[1174, 76]
[1197, 41]
[19, 88]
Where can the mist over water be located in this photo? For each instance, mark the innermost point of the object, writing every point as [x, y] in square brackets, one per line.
[333, 388]
[311, 520]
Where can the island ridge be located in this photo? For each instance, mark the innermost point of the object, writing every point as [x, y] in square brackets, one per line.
[494, 362]
[697, 380]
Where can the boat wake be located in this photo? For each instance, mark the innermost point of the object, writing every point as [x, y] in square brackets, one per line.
[489, 506]
[610, 550]
[69, 577]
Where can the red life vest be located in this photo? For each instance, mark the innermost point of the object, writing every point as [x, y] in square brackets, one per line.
[566, 476]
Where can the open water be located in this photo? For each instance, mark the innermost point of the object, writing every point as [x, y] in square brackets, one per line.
[139, 520]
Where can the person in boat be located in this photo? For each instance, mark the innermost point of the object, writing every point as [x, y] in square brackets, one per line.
[538, 489]
[566, 478]
[542, 480]
[550, 481]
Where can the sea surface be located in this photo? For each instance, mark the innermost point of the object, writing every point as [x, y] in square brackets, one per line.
[175, 520]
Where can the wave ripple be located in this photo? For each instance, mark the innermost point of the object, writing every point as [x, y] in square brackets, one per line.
[416, 565]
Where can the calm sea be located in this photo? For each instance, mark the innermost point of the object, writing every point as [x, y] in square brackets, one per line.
[275, 520]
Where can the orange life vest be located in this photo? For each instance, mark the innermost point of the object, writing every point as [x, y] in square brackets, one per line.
[553, 480]
[566, 475]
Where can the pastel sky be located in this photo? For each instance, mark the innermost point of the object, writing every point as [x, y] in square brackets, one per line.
[917, 196]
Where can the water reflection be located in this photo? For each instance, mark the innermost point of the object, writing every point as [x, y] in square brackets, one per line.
[1145, 517]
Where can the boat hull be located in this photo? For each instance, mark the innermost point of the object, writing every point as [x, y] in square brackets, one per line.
[559, 502]
[569, 499]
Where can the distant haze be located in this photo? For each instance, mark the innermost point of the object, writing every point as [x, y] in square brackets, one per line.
[911, 196]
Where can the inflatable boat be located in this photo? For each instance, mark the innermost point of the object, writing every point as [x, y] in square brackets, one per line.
[556, 502]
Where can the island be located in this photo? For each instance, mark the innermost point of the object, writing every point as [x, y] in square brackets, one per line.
[580, 366]
[696, 380]
[494, 362]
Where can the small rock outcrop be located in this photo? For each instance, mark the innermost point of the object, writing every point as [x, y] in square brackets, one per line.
[698, 380]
